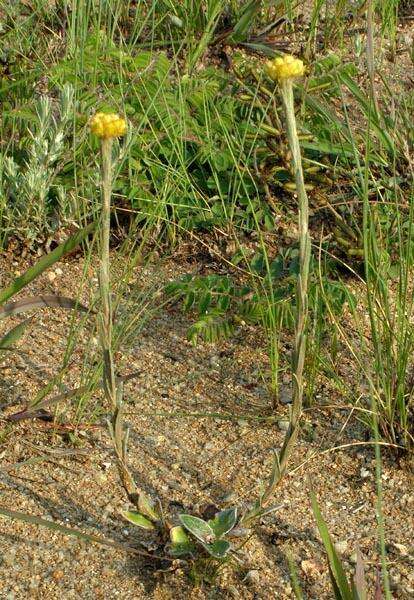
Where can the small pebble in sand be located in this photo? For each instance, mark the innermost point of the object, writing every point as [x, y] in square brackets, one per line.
[283, 424]
[402, 550]
[253, 576]
[341, 546]
[311, 569]
[285, 395]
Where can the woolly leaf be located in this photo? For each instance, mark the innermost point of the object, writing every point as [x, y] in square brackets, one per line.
[224, 521]
[199, 528]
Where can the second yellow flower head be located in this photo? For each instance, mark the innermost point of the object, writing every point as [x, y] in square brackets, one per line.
[107, 125]
[284, 67]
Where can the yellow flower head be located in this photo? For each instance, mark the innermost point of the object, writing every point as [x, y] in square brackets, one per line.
[284, 67]
[107, 125]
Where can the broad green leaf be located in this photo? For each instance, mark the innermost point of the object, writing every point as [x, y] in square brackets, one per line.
[13, 336]
[337, 571]
[137, 519]
[45, 262]
[223, 522]
[218, 549]
[199, 528]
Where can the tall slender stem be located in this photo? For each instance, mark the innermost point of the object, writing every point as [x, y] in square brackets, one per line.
[298, 356]
[104, 275]
[113, 392]
[107, 127]
[299, 348]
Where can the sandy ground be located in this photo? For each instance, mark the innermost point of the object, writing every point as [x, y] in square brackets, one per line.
[189, 461]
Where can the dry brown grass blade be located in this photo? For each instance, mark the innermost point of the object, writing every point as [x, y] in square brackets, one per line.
[38, 410]
[49, 301]
[359, 579]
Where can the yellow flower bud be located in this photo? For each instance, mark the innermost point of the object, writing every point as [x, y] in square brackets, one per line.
[284, 67]
[107, 125]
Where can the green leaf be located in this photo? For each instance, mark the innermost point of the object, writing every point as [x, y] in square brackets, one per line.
[180, 542]
[244, 23]
[147, 507]
[339, 580]
[45, 262]
[137, 519]
[218, 549]
[199, 528]
[223, 522]
[13, 336]
[182, 549]
[370, 112]
[336, 591]
[205, 302]
[178, 535]
[260, 48]
[210, 327]
[189, 301]
[327, 147]
[294, 578]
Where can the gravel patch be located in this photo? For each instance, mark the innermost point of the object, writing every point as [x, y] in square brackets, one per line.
[198, 438]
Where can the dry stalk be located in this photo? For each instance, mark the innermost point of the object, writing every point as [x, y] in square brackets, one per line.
[113, 386]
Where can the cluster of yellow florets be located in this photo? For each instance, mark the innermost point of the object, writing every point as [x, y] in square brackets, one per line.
[284, 67]
[107, 125]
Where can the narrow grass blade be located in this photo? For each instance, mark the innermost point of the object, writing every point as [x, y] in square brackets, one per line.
[45, 262]
[137, 519]
[294, 578]
[73, 532]
[30, 461]
[50, 301]
[360, 586]
[335, 565]
[14, 335]
[244, 23]
[38, 409]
